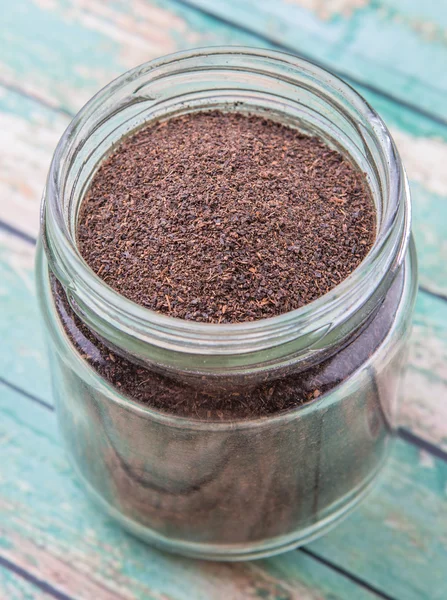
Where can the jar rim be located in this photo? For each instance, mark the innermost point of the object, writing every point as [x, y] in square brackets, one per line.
[163, 331]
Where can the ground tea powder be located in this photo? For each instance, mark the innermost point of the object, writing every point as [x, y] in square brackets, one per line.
[224, 217]
[171, 395]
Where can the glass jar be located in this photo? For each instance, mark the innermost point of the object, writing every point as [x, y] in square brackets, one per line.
[212, 486]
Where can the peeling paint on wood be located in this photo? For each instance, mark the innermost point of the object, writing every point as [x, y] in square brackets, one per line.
[389, 523]
[397, 540]
[145, 32]
[430, 230]
[83, 45]
[42, 563]
[23, 357]
[29, 136]
[359, 44]
[424, 406]
[54, 529]
[14, 587]
[326, 9]
[425, 160]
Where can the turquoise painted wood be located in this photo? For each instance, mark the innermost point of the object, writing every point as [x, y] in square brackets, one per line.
[14, 587]
[95, 43]
[398, 46]
[91, 554]
[378, 519]
[44, 507]
[50, 528]
[402, 527]
[81, 46]
[55, 55]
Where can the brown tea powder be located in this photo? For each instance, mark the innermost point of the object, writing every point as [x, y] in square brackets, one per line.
[173, 396]
[223, 217]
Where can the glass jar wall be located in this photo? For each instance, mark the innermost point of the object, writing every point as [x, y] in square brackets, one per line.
[222, 485]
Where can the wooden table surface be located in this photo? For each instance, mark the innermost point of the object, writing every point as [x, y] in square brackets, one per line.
[54, 55]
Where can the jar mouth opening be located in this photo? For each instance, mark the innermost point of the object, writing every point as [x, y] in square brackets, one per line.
[112, 309]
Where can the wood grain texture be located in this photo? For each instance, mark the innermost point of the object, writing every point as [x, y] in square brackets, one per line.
[64, 51]
[31, 131]
[14, 587]
[59, 52]
[398, 46]
[404, 521]
[49, 528]
[424, 405]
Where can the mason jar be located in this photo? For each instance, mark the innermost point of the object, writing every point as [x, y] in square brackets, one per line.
[211, 485]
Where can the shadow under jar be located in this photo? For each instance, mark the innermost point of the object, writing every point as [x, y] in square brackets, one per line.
[229, 488]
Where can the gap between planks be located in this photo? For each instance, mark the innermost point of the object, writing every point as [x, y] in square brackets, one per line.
[360, 582]
[35, 98]
[38, 583]
[52, 591]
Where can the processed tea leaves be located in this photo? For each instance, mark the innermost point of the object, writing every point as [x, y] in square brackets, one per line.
[210, 402]
[225, 217]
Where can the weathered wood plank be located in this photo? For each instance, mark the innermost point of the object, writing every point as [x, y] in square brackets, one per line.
[404, 527]
[396, 541]
[30, 131]
[65, 78]
[424, 405]
[391, 44]
[14, 587]
[50, 528]
[83, 45]
[23, 358]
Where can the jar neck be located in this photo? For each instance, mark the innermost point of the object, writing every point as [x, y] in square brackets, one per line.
[286, 89]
